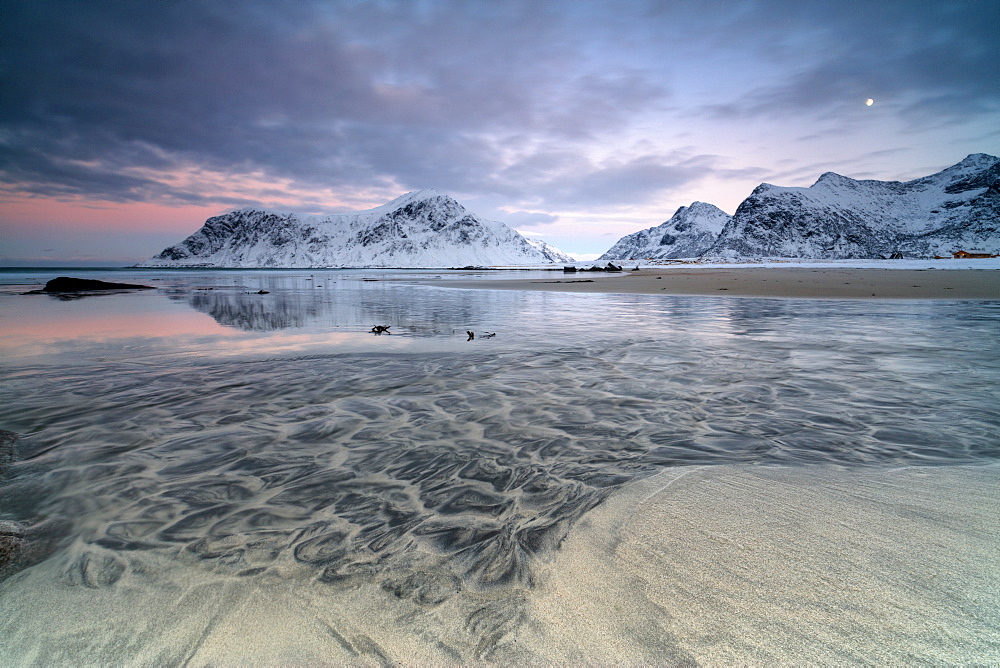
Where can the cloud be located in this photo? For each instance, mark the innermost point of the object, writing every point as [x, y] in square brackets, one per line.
[328, 95]
[618, 181]
[566, 180]
[545, 109]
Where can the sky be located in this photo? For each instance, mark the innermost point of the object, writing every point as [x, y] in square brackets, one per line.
[125, 124]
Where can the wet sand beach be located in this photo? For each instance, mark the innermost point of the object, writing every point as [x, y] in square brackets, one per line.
[713, 566]
[660, 480]
[744, 565]
[793, 282]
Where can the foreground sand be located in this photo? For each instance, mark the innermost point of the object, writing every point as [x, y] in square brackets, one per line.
[768, 566]
[799, 282]
[724, 565]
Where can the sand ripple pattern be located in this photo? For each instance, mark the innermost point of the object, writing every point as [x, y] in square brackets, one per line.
[446, 481]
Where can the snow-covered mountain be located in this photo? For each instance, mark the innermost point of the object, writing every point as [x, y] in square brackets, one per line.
[690, 232]
[839, 217]
[420, 229]
[552, 253]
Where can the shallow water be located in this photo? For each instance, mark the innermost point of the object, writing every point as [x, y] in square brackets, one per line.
[271, 436]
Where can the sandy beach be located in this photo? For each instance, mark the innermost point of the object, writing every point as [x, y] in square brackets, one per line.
[794, 282]
[715, 565]
[778, 566]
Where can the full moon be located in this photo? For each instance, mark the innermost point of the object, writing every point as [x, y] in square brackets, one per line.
[869, 102]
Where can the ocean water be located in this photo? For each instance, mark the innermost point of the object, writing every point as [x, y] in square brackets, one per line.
[270, 440]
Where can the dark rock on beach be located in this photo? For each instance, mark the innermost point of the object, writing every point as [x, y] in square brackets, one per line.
[610, 266]
[11, 538]
[23, 545]
[69, 284]
[68, 288]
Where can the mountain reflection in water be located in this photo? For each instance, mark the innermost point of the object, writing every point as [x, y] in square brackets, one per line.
[347, 303]
[254, 312]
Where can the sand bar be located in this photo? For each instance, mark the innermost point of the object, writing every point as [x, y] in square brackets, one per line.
[793, 282]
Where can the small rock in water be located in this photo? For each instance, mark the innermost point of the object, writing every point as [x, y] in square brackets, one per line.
[69, 284]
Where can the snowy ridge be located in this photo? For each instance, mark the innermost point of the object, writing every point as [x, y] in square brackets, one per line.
[839, 217]
[690, 232]
[420, 229]
[551, 253]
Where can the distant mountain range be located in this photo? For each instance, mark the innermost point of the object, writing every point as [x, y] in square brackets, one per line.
[837, 218]
[419, 229]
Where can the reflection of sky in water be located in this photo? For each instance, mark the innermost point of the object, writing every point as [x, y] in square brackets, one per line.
[218, 314]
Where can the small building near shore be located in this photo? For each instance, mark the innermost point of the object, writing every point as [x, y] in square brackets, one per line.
[961, 255]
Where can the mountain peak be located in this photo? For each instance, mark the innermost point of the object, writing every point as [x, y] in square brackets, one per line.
[977, 170]
[832, 178]
[417, 196]
[705, 207]
[978, 160]
[973, 163]
[688, 233]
